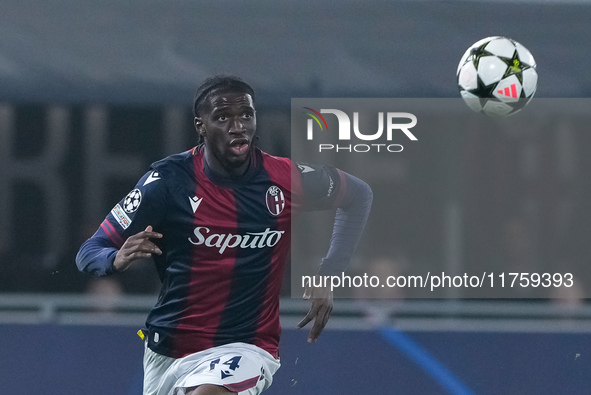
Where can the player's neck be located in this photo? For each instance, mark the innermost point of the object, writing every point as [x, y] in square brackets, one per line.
[218, 168]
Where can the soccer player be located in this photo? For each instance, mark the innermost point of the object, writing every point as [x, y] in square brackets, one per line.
[216, 219]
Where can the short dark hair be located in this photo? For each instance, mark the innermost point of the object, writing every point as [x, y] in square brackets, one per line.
[219, 83]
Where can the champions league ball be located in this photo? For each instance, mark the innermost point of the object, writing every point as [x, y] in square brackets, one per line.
[497, 76]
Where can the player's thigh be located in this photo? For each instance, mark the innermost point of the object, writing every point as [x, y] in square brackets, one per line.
[155, 371]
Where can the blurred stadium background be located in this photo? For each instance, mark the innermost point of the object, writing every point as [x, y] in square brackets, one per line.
[92, 92]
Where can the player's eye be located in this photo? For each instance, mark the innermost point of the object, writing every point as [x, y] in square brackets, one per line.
[222, 118]
[247, 115]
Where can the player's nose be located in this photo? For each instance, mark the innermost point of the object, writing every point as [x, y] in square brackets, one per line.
[237, 127]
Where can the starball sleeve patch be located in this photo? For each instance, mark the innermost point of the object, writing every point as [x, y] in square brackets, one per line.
[132, 201]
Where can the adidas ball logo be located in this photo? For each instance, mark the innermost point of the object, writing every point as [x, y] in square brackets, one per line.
[510, 91]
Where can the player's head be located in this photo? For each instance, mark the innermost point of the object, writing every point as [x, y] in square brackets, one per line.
[226, 122]
[218, 84]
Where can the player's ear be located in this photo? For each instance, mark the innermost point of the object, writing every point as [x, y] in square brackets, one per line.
[198, 122]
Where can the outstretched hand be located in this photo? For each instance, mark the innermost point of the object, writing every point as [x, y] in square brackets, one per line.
[136, 247]
[319, 311]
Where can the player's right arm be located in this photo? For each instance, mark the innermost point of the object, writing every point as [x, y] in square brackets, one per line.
[128, 232]
[136, 247]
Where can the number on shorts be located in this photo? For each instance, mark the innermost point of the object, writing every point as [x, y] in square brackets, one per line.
[213, 363]
[232, 363]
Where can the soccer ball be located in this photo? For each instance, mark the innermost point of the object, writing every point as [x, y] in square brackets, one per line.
[497, 76]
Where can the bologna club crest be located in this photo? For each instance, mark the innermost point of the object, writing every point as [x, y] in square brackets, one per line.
[275, 200]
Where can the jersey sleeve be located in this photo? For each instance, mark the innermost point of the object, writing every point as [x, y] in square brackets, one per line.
[141, 207]
[324, 187]
[319, 187]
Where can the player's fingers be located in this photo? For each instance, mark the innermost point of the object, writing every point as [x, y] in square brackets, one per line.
[307, 294]
[141, 241]
[145, 234]
[146, 246]
[319, 324]
[150, 235]
[150, 230]
[132, 242]
[309, 317]
[139, 255]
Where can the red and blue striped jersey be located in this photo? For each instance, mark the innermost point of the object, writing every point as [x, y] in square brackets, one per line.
[225, 243]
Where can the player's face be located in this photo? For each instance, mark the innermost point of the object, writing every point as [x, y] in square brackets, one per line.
[228, 126]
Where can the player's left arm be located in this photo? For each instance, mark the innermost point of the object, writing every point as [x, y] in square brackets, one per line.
[329, 187]
[353, 199]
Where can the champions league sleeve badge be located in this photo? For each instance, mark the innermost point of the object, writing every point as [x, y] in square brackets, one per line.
[130, 204]
[132, 201]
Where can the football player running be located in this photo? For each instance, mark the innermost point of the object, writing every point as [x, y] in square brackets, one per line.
[217, 220]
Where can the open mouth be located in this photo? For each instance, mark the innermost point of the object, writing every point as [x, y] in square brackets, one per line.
[239, 146]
